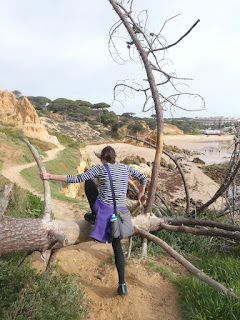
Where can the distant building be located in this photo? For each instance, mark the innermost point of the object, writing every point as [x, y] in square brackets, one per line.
[211, 132]
[210, 121]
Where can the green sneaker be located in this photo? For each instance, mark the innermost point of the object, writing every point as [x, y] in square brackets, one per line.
[122, 290]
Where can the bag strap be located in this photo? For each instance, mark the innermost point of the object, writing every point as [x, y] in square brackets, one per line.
[112, 189]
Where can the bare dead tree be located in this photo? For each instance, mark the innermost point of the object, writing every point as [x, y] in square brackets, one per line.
[149, 48]
[145, 46]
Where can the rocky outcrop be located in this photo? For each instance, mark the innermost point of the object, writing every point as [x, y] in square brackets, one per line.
[76, 190]
[22, 115]
[171, 129]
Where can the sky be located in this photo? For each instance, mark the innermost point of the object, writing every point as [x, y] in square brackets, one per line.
[59, 49]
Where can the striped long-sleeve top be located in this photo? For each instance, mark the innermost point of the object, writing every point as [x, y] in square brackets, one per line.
[120, 173]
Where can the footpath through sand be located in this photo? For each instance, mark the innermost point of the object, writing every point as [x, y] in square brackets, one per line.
[151, 295]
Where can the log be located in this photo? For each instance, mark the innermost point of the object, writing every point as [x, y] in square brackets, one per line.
[23, 235]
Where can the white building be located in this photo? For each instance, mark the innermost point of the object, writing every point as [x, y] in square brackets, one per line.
[209, 121]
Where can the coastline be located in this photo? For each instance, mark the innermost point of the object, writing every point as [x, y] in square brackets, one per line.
[195, 141]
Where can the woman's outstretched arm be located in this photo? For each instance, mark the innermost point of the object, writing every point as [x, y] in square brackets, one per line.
[49, 176]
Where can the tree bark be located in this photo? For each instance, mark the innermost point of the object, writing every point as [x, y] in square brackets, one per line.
[4, 199]
[21, 234]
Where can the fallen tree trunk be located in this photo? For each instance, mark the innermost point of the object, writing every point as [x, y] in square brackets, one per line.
[21, 234]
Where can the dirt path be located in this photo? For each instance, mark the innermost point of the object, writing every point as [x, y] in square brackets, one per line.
[61, 209]
[151, 295]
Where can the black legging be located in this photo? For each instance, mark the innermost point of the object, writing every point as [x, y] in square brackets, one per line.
[92, 193]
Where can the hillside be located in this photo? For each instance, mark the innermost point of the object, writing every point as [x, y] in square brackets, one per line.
[23, 116]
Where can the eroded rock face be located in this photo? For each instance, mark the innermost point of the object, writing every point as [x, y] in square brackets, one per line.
[76, 190]
[171, 129]
[22, 115]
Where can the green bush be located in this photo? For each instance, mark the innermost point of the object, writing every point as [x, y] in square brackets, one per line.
[136, 127]
[109, 118]
[25, 294]
[27, 158]
[23, 203]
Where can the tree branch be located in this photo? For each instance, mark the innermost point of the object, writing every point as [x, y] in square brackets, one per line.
[173, 44]
[46, 184]
[4, 199]
[191, 268]
[202, 232]
[206, 223]
[219, 192]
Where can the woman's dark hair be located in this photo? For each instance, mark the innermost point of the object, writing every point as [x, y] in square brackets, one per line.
[108, 154]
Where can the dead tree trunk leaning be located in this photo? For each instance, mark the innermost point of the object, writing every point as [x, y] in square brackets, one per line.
[124, 15]
[159, 113]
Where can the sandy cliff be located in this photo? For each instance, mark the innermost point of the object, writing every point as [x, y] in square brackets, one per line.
[146, 133]
[22, 115]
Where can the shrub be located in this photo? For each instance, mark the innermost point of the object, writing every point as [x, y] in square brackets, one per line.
[24, 294]
[136, 127]
[23, 203]
[27, 158]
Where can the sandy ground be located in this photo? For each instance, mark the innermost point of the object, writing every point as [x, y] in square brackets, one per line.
[151, 295]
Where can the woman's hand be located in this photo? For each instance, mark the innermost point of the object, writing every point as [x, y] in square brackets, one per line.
[141, 199]
[45, 176]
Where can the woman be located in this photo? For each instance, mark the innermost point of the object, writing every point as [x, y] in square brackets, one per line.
[103, 202]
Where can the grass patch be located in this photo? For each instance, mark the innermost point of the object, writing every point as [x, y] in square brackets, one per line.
[197, 300]
[200, 301]
[24, 204]
[13, 147]
[65, 163]
[165, 271]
